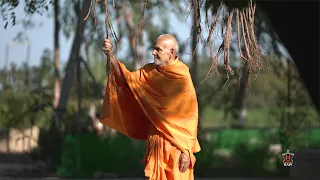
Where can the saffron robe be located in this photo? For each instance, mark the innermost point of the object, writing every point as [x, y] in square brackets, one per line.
[159, 105]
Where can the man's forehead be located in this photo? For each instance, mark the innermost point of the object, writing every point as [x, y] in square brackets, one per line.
[158, 44]
[162, 42]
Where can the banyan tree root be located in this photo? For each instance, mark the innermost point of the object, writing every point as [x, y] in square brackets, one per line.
[244, 10]
[108, 27]
[249, 49]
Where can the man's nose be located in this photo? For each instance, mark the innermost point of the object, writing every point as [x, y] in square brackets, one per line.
[154, 52]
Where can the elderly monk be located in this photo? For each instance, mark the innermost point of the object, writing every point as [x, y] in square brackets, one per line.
[156, 103]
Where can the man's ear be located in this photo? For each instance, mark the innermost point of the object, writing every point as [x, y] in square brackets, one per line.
[172, 52]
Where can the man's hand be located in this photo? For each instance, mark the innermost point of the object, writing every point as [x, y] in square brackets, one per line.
[107, 47]
[184, 162]
[108, 50]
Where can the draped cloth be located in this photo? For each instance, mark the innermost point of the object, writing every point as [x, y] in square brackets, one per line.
[158, 104]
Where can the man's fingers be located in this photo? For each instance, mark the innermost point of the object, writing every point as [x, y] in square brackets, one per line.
[180, 163]
[183, 166]
[107, 41]
[107, 46]
[184, 162]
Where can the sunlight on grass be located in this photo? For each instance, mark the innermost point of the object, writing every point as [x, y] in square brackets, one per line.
[267, 117]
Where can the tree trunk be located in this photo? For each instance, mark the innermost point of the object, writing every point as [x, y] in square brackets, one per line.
[137, 63]
[6, 69]
[57, 83]
[240, 105]
[194, 68]
[79, 88]
[74, 56]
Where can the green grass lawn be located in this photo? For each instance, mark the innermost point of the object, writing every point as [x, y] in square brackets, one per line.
[267, 117]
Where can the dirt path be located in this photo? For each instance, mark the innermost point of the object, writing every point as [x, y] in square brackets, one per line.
[19, 165]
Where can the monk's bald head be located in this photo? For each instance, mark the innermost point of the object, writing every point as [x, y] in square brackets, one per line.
[165, 50]
[169, 41]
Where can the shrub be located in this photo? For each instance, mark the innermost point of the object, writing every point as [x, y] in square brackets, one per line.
[86, 154]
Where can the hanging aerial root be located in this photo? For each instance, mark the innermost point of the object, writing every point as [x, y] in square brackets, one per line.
[224, 9]
[250, 52]
[108, 27]
[255, 50]
[88, 11]
[227, 46]
[94, 12]
[214, 61]
[211, 28]
[249, 49]
[140, 25]
[239, 34]
[109, 69]
[196, 11]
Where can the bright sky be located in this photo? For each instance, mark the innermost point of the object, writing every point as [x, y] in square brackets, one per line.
[41, 37]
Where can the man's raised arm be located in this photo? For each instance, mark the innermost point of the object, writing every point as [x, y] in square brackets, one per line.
[108, 50]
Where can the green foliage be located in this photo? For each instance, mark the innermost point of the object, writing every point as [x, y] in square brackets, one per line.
[25, 98]
[24, 109]
[246, 153]
[266, 99]
[206, 159]
[14, 113]
[86, 154]
[250, 159]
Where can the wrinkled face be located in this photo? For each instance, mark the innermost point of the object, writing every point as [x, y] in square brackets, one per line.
[161, 53]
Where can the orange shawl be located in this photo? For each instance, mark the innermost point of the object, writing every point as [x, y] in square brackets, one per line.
[159, 104]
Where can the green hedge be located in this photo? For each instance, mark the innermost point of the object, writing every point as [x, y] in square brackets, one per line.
[245, 152]
[232, 137]
[86, 154]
